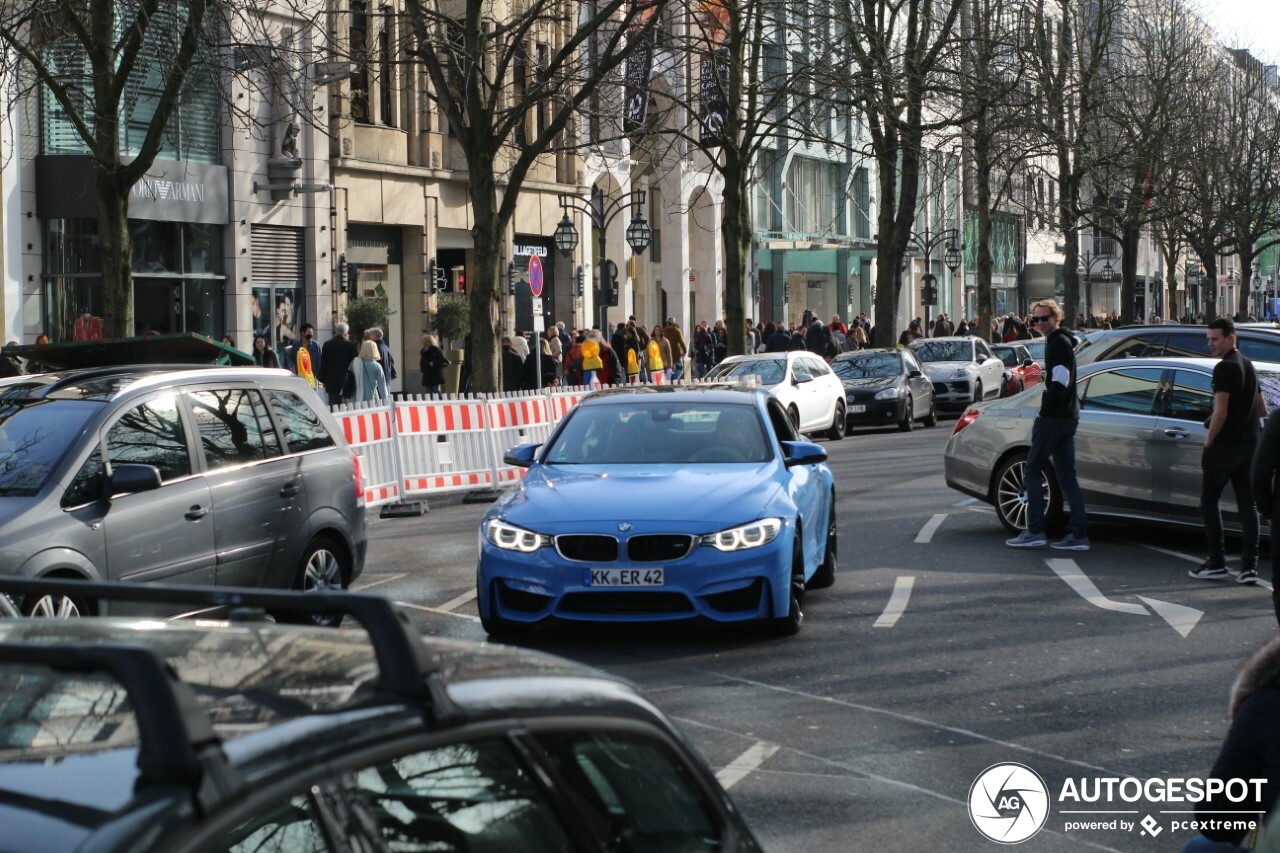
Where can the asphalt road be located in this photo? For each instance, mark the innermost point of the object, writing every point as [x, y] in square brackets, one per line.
[938, 653]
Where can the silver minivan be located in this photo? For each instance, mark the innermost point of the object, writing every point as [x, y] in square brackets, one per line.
[190, 475]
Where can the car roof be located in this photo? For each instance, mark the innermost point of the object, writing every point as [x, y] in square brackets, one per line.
[845, 356]
[712, 392]
[1170, 361]
[104, 384]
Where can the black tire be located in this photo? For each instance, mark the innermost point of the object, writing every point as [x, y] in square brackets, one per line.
[825, 576]
[789, 624]
[1010, 497]
[836, 431]
[931, 419]
[325, 567]
[794, 414]
[977, 392]
[908, 416]
[56, 607]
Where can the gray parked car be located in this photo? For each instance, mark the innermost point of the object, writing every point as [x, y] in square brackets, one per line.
[1137, 448]
[215, 475]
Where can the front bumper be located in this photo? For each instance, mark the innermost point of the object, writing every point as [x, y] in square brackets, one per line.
[738, 586]
[953, 392]
[874, 411]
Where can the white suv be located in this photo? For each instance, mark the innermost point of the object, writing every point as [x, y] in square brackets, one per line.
[812, 393]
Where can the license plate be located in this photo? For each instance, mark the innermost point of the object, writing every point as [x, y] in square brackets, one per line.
[857, 410]
[622, 577]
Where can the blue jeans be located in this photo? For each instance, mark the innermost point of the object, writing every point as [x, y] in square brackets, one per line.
[1054, 438]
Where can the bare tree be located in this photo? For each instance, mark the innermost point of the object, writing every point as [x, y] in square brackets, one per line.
[477, 55]
[94, 56]
[894, 64]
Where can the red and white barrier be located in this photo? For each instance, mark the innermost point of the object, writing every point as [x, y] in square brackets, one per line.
[445, 445]
[367, 428]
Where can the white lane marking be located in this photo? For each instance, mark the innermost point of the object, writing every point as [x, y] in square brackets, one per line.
[455, 603]
[381, 580]
[438, 610]
[897, 602]
[1181, 619]
[742, 766]
[1070, 572]
[930, 527]
[966, 502]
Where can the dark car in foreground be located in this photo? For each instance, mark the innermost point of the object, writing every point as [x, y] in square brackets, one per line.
[194, 736]
[1138, 443]
[885, 386]
[176, 474]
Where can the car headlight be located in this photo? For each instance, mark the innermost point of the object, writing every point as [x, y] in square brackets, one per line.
[751, 535]
[962, 373]
[508, 537]
[889, 394]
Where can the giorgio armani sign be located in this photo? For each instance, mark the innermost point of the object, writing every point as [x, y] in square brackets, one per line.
[170, 191]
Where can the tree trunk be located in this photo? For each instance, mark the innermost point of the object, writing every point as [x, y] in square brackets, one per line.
[1209, 260]
[1244, 301]
[115, 255]
[736, 239]
[982, 202]
[1070, 224]
[484, 294]
[1130, 235]
[888, 262]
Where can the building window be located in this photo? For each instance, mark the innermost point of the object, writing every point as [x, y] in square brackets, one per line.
[386, 73]
[360, 56]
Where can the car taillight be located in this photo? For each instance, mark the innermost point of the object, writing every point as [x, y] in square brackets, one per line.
[355, 462]
[967, 418]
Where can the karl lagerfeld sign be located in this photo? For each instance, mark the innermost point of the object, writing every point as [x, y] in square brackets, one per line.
[170, 191]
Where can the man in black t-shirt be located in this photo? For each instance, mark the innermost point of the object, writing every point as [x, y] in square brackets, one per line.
[1228, 453]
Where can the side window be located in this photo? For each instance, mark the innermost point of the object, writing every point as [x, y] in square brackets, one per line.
[87, 486]
[1186, 346]
[291, 825]
[1190, 397]
[1144, 345]
[231, 430]
[816, 367]
[1256, 350]
[151, 434]
[302, 427]
[910, 359]
[1129, 391]
[983, 352]
[634, 789]
[781, 422]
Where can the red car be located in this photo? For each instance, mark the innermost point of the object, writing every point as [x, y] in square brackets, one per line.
[1020, 370]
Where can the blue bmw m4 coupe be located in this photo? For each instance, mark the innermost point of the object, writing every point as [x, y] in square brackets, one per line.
[655, 504]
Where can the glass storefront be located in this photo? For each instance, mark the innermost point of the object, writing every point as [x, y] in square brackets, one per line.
[178, 284]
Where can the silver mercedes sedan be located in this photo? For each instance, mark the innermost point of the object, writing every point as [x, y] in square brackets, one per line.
[1137, 448]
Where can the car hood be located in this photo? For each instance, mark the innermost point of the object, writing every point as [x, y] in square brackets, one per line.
[871, 383]
[937, 368]
[560, 497]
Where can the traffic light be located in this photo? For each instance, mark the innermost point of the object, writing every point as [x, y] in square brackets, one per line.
[344, 274]
[458, 279]
[612, 296]
[511, 279]
[582, 281]
[438, 277]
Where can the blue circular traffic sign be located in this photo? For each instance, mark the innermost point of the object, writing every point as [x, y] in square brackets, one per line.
[535, 275]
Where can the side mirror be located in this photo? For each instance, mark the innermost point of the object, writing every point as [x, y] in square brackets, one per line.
[1028, 362]
[129, 478]
[980, 359]
[914, 374]
[802, 453]
[521, 456]
[801, 378]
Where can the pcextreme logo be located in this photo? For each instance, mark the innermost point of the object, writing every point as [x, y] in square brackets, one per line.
[1009, 803]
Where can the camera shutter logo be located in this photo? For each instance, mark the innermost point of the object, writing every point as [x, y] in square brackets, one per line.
[1008, 803]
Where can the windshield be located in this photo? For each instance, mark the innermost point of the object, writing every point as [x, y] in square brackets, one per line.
[943, 350]
[660, 433]
[34, 436]
[770, 370]
[867, 366]
[1008, 355]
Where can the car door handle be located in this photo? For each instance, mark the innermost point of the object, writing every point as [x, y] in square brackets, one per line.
[1176, 432]
[196, 513]
[289, 490]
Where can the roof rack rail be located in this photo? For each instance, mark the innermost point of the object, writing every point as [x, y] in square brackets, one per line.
[177, 745]
[403, 660]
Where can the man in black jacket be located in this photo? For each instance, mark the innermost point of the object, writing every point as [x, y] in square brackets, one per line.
[335, 357]
[1228, 453]
[1054, 436]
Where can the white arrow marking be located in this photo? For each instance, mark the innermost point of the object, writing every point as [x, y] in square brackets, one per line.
[1181, 619]
[966, 502]
[743, 766]
[930, 527]
[897, 602]
[1070, 572]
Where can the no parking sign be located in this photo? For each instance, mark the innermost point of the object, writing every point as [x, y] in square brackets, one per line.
[535, 275]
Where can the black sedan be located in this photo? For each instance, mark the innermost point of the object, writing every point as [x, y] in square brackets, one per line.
[885, 386]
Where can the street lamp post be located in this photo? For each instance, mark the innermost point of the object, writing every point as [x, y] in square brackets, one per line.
[638, 236]
[1087, 260]
[925, 242]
